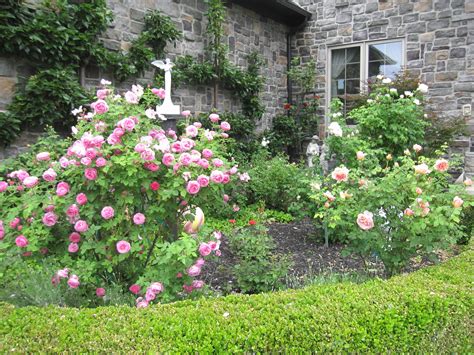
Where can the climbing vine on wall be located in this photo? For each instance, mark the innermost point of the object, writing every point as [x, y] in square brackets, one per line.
[59, 38]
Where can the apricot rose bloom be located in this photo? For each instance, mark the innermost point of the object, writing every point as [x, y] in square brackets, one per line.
[365, 220]
[340, 174]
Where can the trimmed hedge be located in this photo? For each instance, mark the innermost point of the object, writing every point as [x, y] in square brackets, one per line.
[430, 310]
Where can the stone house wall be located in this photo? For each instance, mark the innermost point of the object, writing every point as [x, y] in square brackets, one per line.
[438, 34]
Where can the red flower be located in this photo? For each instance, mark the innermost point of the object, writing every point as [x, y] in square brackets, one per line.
[287, 106]
[155, 185]
[305, 104]
[232, 221]
[252, 222]
[135, 289]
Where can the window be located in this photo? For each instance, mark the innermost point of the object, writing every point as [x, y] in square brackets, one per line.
[351, 66]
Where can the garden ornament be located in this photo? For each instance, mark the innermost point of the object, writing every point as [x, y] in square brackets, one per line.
[167, 108]
[312, 150]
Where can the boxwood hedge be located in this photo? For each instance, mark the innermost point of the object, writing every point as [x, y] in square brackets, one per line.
[427, 311]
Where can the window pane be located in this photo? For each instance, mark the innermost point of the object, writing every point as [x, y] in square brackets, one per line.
[353, 55]
[353, 71]
[353, 86]
[385, 59]
[375, 68]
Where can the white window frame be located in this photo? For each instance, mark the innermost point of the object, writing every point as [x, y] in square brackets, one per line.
[364, 64]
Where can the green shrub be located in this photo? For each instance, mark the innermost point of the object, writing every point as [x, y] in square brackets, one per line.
[428, 311]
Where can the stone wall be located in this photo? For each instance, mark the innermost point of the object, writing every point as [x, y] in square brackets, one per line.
[439, 37]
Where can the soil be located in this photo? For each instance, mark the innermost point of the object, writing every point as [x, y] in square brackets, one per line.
[304, 245]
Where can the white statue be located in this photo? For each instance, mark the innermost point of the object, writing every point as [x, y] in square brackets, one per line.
[312, 151]
[167, 108]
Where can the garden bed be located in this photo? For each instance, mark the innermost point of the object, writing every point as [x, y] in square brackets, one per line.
[310, 259]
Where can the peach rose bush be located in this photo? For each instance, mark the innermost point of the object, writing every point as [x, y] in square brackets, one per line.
[396, 212]
[124, 205]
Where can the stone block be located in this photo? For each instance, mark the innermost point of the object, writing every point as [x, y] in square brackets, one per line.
[457, 53]
[411, 18]
[137, 15]
[446, 76]
[437, 24]
[344, 17]
[422, 6]
[427, 37]
[7, 67]
[360, 36]
[417, 27]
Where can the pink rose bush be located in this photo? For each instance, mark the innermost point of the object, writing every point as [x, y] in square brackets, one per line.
[396, 212]
[127, 198]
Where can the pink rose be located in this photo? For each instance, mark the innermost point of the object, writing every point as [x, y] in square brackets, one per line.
[217, 176]
[50, 219]
[176, 147]
[73, 281]
[90, 174]
[197, 124]
[139, 218]
[140, 147]
[197, 284]
[224, 135]
[408, 212]
[194, 271]
[204, 249]
[417, 148]
[226, 198]
[75, 237]
[156, 287]
[21, 241]
[81, 226]
[340, 174]
[151, 166]
[81, 199]
[72, 210]
[15, 222]
[214, 117]
[161, 93]
[186, 113]
[100, 292]
[91, 153]
[100, 107]
[421, 169]
[43, 156]
[73, 248]
[168, 159]
[365, 220]
[64, 162]
[62, 189]
[441, 165]
[131, 97]
[149, 295]
[360, 155]
[3, 186]
[86, 161]
[193, 187]
[203, 163]
[100, 162]
[225, 126]
[203, 180]
[142, 303]
[217, 162]
[123, 247]
[63, 274]
[188, 288]
[21, 175]
[135, 289]
[49, 175]
[200, 262]
[467, 182]
[102, 94]
[107, 212]
[457, 202]
[191, 131]
[187, 144]
[185, 159]
[30, 181]
[418, 191]
[118, 132]
[127, 124]
[147, 154]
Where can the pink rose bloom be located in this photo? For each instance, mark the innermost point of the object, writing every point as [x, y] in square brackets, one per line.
[50, 219]
[113, 139]
[15, 222]
[100, 292]
[360, 155]
[185, 159]
[209, 135]
[197, 284]
[422, 169]
[3, 186]
[156, 287]
[417, 148]
[140, 147]
[147, 154]
[30, 181]
[21, 241]
[91, 153]
[81, 226]
[200, 262]
[225, 126]
[365, 220]
[217, 162]
[21, 175]
[213, 245]
[102, 94]
[168, 159]
[74, 237]
[186, 176]
[418, 191]
[203, 180]
[151, 166]
[194, 271]
[224, 135]
[161, 93]
[123, 247]
[64, 162]
[127, 124]
[457, 202]
[187, 144]
[186, 113]
[131, 97]
[63, 274]
[100, 107]
[214, 117]
[191, 131]
[73, 248]
[233, 170]
[217, 176]
[90, 174]
[176, 147]
[235, 208]
[340, 174]
[467, 182]
[135, 289]
[100, 162]
[245, 177]
[62, 189]
[441, 165]
[149, 295]
[43, 156]
[139, 218]
[408, 212]
[73, 281]
[107, 212]
[81, 199]
[203, 163]
[204, 249]
[119, 132]
[188, 288]
[142, 303]
[226, 198]
[86, 161]
[193, 187]
[197, 124]
[49, 175]
[72, 210]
